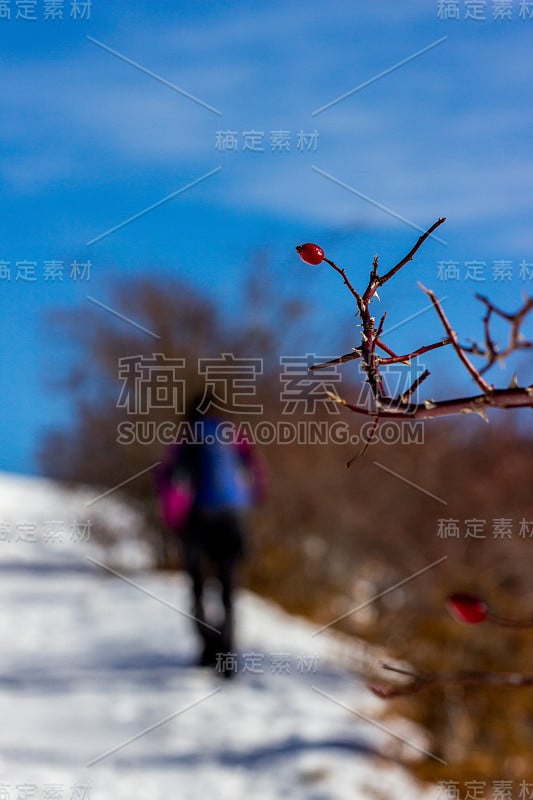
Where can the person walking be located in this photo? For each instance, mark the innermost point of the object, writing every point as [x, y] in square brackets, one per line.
[213, 478]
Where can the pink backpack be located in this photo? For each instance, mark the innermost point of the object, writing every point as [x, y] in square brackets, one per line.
[176, 495]
[175, 503]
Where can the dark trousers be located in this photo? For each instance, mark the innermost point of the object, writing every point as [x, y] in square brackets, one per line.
[214, 542]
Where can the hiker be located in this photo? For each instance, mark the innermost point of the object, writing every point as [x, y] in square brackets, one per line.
[206, 487]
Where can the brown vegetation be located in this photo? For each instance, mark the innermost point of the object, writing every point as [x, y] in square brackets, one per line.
[329, 538]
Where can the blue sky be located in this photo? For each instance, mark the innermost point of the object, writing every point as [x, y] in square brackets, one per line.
[90, 140]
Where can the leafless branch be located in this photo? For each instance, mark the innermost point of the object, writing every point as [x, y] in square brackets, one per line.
[452, 336]
[385, 405]
[490, 350]
[421, 680]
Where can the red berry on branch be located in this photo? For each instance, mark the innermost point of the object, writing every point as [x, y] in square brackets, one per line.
[467, 608]
[310, 253]
[380, 690]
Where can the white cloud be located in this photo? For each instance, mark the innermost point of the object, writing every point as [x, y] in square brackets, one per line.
[425, 137]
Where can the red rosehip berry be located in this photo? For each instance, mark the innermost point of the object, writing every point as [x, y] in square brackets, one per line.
[467, 608]
[385, 692]
[310, 253]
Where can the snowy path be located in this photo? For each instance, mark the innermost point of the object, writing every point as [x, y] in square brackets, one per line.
[97, 691]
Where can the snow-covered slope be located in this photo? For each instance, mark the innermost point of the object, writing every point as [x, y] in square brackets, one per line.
[99, 699]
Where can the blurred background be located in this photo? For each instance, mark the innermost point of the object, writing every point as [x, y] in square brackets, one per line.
[161, 161]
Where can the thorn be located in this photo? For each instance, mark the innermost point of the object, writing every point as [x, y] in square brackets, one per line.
[514, 383]
[429, 404]
[334, 396]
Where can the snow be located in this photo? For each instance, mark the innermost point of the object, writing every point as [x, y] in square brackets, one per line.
[100, 698]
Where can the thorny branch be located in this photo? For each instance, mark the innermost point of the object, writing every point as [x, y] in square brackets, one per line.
[421, 680]
[401, 406]
[490, 350]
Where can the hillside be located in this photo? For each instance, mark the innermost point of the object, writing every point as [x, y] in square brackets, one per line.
[100, 699]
